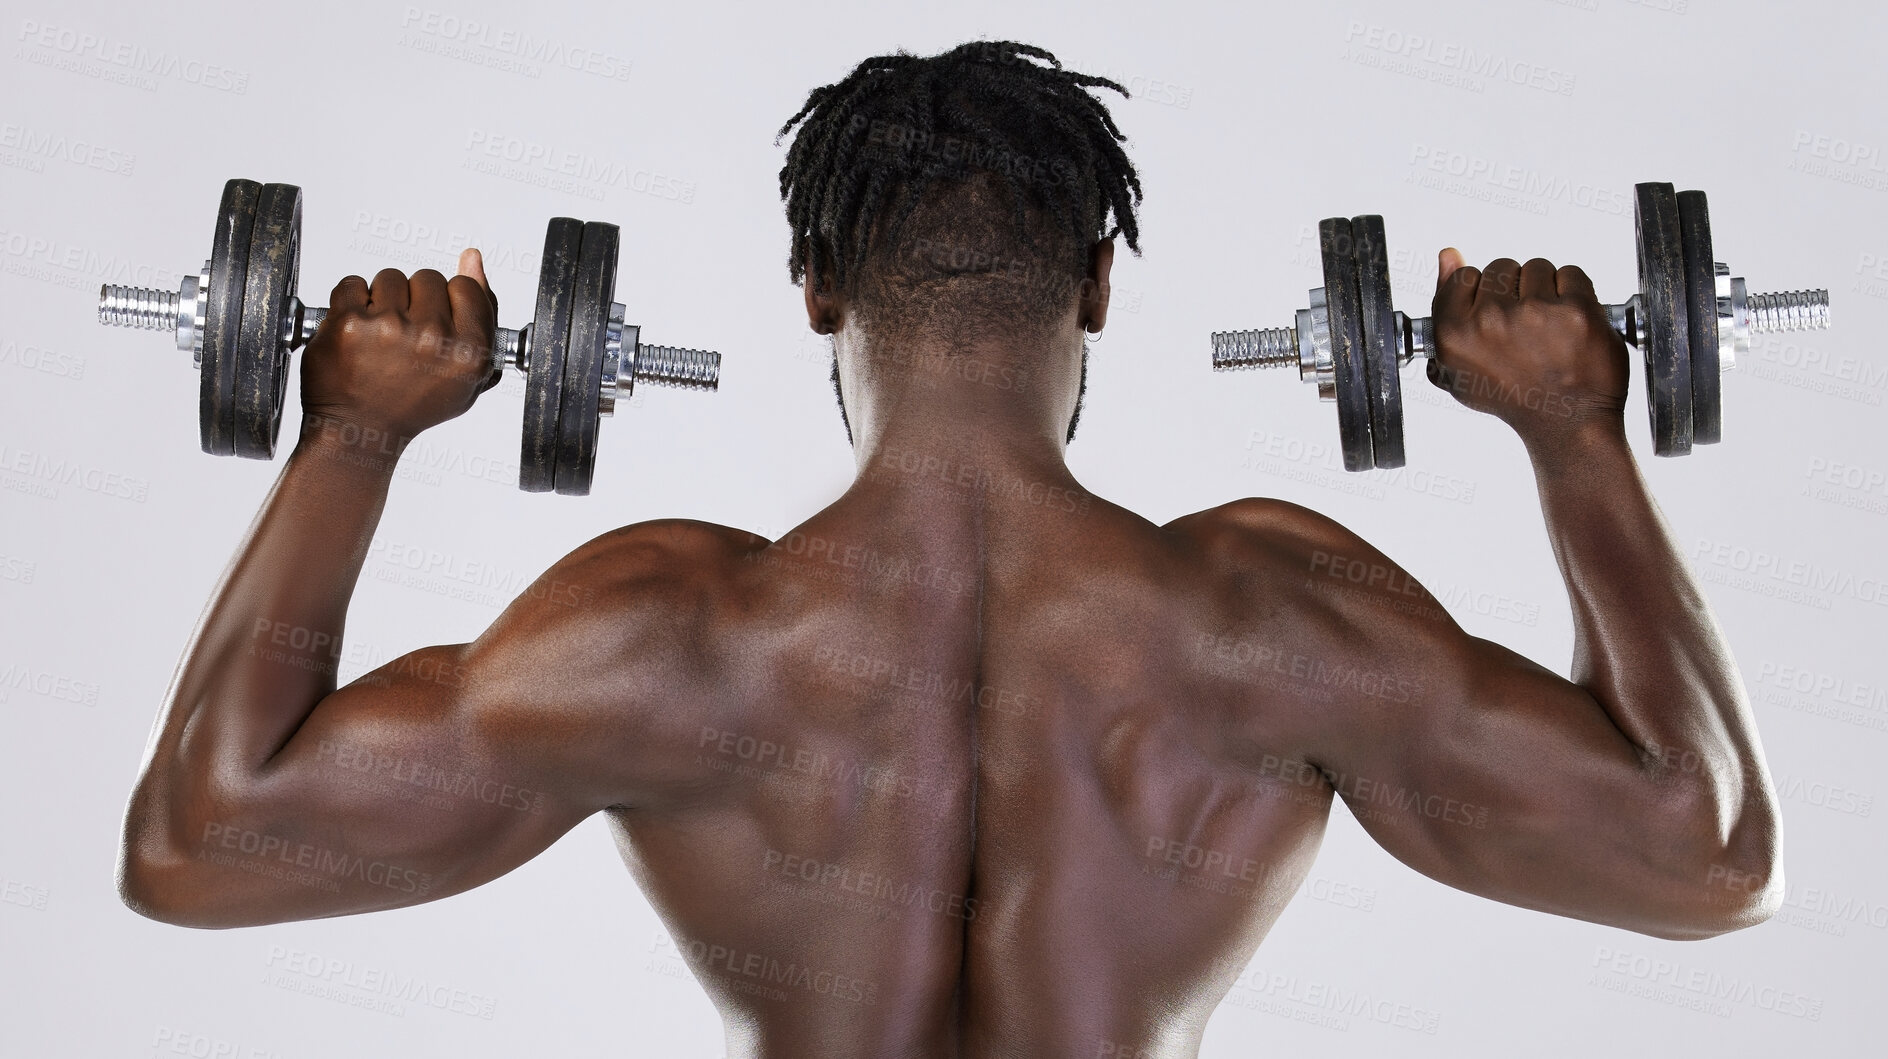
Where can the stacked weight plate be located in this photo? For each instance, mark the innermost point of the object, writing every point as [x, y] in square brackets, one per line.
[573, 334]
[1675, 320]
[253, 269]
[251, 324]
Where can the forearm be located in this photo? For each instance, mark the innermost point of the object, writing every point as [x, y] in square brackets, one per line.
[265, 651]
[1645, 643]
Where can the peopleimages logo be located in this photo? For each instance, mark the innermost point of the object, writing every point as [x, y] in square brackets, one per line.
[1527, 188]
[502, 47]
[75, 150]
[495, 149]
[1687, 985]
[1448, 62]
[76, 50]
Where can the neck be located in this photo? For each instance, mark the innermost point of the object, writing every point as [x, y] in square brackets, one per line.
[989, 407]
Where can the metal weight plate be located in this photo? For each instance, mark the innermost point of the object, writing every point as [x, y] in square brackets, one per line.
[261, 350]
[550, 334]
[583, 365]
[1345, 309]
[1667, 327]
[1383, 383]
[223, 313]
[1701, 308]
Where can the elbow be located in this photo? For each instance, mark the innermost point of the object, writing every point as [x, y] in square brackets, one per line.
[161, 884]
[1739, 885]
[153, 886]
[145, 889]
[171, 899]
[148, 865]
[1722, 917]
[169, 868]
[1724, 914]
[1742, 894]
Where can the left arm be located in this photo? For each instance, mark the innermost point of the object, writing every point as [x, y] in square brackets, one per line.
[264, 792]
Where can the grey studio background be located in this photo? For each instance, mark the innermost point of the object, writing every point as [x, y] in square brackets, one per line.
[1512, 128]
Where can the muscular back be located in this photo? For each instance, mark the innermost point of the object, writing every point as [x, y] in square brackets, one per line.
[1135, 841]
[975, 761]
[808, 832]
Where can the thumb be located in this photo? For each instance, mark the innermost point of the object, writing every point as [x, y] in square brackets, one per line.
[1447, 262]
[472, 263]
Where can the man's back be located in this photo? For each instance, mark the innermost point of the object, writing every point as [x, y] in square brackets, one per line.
[1035, 776]
[1130, 844]
[941, 724]
[809, 844]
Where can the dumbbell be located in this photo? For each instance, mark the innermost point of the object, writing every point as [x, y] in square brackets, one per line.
[1690, 320]
[240, 317]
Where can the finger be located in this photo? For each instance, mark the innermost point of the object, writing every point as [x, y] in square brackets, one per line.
[472, 320]
[1537, 279]
[427, 295]
[1501, 280]
[1439, 374]
[1455, 282]
[472, 298]
[390, 290]
[472, 265]
[1572, 280]
[350, 293]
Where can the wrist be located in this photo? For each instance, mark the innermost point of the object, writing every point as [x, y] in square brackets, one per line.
[346, 441]
[1583, 443]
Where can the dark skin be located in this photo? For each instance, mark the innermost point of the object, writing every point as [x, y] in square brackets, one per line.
[972, 762]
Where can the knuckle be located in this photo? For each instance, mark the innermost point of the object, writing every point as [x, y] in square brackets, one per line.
[1563, 314]
[468, 288]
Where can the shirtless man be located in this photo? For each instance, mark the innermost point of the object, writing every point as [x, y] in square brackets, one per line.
[972, 762]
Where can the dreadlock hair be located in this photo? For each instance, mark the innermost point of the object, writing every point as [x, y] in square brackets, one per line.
[897, 183]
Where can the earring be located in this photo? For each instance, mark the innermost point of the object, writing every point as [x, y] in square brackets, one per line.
[1093, 339]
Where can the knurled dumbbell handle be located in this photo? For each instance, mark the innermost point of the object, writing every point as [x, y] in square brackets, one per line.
[1767, 313]
[688, 369]
[510, 348]
[146, 308]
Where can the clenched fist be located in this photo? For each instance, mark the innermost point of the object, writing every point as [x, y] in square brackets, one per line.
[404, 354]
[1529, 344]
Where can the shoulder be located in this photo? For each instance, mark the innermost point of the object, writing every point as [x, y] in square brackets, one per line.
[1273, 554]
[650, 554]
[1262, 529]
[607, 661]
[629, 594]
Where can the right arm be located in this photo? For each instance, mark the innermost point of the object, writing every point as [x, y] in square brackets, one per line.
[1633, 794]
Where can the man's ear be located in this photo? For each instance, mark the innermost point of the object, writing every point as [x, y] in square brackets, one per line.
[825, 309]
[1093, 312]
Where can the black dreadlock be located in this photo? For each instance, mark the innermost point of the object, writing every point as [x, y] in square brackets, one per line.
[938, 139]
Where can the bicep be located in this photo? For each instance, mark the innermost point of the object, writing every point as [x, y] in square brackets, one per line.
[398, 789]
[1497, 777]
[450, 766]
[1469, 762]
